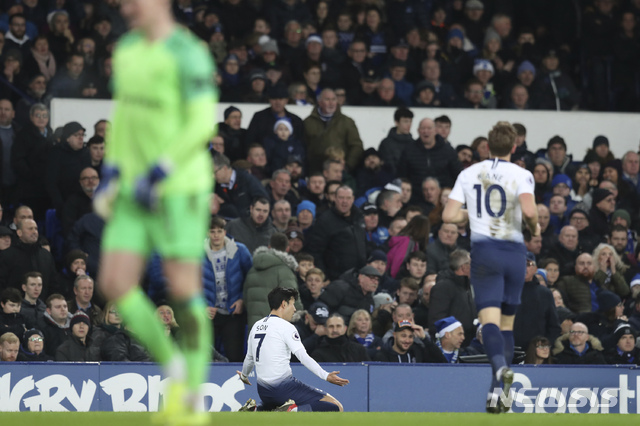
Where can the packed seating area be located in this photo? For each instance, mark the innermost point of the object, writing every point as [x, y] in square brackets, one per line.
[298, 202]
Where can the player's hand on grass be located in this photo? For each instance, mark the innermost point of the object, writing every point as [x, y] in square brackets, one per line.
[333, 378]
[146, 188]
[244, 378]
[107, 191]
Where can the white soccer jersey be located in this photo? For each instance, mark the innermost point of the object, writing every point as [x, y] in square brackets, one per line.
[271, 342]
[491, 189]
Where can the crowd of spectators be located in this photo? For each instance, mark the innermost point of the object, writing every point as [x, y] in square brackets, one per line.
[542, 54]
[299, 203]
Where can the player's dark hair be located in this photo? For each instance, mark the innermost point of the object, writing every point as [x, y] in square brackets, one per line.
[279, 295]
[279, 241]
[443, 119]
[502, 138]
[217, 222]
[402, 112]
[11, 295]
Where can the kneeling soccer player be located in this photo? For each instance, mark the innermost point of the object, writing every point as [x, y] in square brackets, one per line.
[271, 342]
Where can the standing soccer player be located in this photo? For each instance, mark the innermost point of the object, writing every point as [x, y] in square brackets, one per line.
[271, 342]
[498, 194]
[155, 191]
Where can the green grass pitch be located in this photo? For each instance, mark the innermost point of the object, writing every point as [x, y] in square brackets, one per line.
[332, 419]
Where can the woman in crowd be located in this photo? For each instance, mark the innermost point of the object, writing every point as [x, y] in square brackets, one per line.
[539, 351]
[413, 237]
[360, 330]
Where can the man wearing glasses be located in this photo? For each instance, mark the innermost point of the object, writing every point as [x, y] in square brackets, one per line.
[578, 347]
[80, 203]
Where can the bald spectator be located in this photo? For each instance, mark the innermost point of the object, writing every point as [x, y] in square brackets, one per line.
[429, 155]
[80, 203]
[565, 250]
[578, 347]
[326, 127]
[26, 255]
[549, 237]
[421, 311]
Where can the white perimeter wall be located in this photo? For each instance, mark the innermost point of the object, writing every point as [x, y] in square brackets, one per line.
[577, 128]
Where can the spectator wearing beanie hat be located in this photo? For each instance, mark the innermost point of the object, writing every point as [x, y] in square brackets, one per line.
[75, 266]
[282, 143]
[602, 206]
[625, 351]
[603, 322]
[483, 70]
[305, 209]
[32, 348]
[78, 347]
[587, 238]
[601, 148]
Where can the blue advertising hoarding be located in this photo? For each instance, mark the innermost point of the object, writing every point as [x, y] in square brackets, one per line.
[373, 387]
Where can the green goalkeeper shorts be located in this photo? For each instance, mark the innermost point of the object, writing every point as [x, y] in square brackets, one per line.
[176, 230]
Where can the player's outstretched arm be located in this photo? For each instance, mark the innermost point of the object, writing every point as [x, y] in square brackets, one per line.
[333, 378]
[244, 378]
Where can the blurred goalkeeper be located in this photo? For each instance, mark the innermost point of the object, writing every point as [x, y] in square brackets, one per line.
[271, 342]
[156, 181]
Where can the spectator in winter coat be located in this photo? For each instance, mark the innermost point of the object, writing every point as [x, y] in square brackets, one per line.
[253, 231]
[32, 348]
[235, 188]
[272, 267]
[578, 347]
[224, 270]
[26, 255]
[398, 138]
[33, 308]
[347, 297]
[452, 295]
[112, 342]
[282, 143]
[55, 324]
[78, 346]
[429, 155]
[327, 127]
[336, 345]
[337, 241]
[11, 321]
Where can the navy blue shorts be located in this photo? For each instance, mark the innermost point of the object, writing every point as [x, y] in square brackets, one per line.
[498, 269]
[290, 388]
